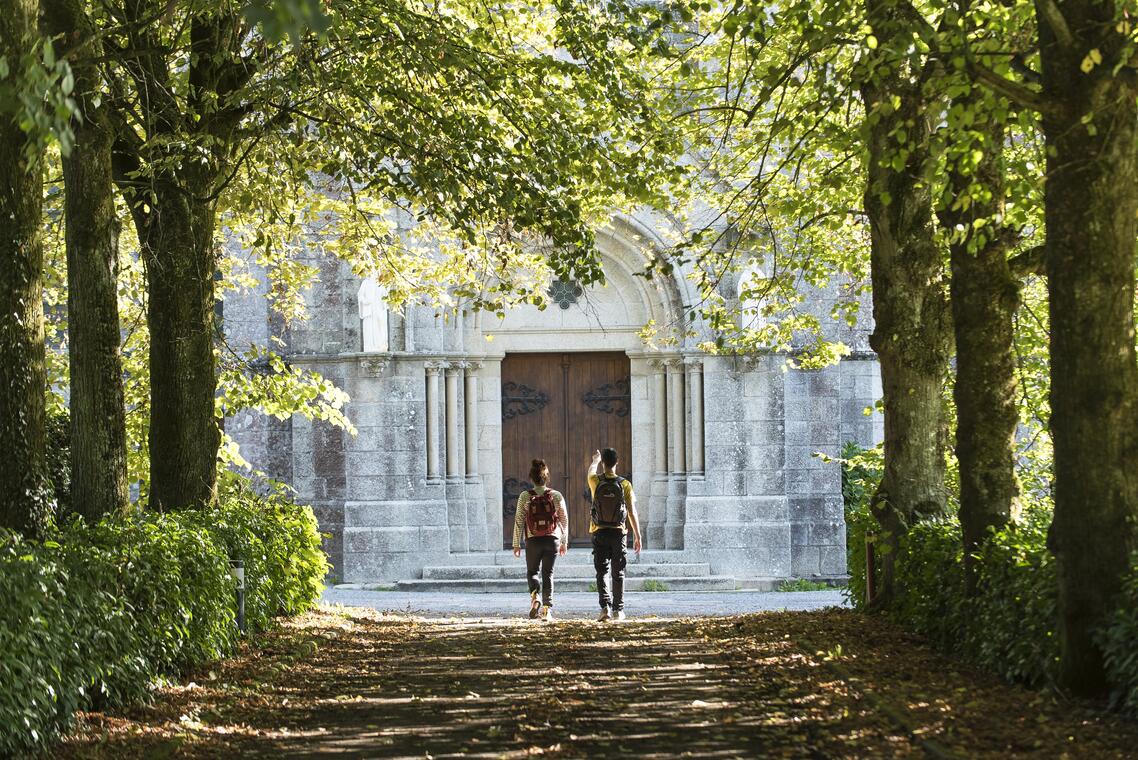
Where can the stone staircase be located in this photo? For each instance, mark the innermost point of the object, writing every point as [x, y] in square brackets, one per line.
[500, 571]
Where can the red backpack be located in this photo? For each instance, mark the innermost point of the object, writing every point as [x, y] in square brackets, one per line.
[541, 514]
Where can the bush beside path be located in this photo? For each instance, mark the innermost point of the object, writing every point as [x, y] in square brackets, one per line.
[831, 683]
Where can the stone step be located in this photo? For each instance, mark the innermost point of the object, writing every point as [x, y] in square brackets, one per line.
[498, 585]
[517, 570]
[575, 556]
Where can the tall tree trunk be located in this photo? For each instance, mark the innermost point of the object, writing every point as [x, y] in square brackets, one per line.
[1091, 202]
[98, 416]
[985, 296]
[912, 326]
[25, 504]
[178, 248]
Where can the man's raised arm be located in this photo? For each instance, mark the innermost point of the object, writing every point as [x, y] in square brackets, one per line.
[593, 466]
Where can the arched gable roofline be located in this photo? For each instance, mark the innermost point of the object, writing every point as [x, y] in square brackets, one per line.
[625, 242]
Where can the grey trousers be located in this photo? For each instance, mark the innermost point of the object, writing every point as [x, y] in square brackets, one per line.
[609, 550]
[541, 553]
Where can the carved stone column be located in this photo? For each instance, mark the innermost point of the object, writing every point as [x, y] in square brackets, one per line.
[695, 390]
[457, 507]
[657, 507]
[660, 421]
[471, 421]
[432, 369]
[677, 483]
[454, 465]
[676, 415]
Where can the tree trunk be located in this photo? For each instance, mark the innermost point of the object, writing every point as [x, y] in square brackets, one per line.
[912, 326]
[985, 296]
[25, 503]
[98, 416]
[178, 248]
[1091, 201]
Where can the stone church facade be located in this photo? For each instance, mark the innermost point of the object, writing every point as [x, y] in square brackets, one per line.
[720, 449]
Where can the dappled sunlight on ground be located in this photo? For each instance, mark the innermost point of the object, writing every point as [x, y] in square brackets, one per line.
[823, 684]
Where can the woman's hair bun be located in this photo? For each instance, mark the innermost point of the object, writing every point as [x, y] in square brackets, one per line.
[538, 463]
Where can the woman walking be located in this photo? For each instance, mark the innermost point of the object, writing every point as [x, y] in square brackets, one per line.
[541, 513]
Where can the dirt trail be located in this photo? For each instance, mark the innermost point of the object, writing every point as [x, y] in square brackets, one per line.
[360, 683]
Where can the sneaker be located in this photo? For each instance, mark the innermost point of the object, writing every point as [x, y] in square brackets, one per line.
[547, 613]
[605, 616]
[619, 615]
[534, 606]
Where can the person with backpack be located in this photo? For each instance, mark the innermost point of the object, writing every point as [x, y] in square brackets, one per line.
[614, 510]
[541, 513]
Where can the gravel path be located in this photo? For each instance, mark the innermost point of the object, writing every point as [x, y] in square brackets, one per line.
[354, 682]
[642, 604]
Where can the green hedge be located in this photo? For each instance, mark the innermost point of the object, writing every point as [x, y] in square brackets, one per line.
[94, 616]
[1008, 627]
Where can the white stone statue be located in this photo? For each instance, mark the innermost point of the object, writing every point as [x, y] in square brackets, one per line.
[373, 316]
[750, 279]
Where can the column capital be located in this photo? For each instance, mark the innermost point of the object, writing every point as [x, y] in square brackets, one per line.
[694, 363]
[675, 364]
[454, 368]
[471, 367]
[657, 363]
[373, 366]
[433, 367]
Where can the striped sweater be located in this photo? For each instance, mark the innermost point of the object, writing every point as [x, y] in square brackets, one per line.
[520, 517]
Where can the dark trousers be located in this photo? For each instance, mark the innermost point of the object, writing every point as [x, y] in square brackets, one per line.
[609, 550]
[541, 552]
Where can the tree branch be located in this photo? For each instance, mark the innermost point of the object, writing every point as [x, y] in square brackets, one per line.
[1054, 18]
[1017, 93]
[1028, 262]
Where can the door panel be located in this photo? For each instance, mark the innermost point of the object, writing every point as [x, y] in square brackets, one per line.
[560, 407]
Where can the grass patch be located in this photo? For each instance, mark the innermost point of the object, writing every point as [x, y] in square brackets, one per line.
[654, 585]
[803, 584]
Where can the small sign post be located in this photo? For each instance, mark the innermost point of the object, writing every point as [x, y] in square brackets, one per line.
[237, 570]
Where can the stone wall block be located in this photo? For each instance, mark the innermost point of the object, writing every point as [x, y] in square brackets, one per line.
[806, 508]
[765, 458]
[806, 562]
[394, 514]
[828, 533]
[825, 480]
[381, 540]
[799, 534]
[824, 409]
[833, 560]
[766, 483]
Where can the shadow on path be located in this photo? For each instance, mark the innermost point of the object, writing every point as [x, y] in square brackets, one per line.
[359, 683]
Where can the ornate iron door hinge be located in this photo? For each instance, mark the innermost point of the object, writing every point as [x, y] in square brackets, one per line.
[612, 398]
[521, 399]
[511, 489]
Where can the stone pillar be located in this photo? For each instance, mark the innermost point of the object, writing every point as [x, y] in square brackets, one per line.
[677, 483]
[471, 420]
[432, 369]
[676, 415]
[657, 506]
[660, 423]
[455, 484]
[476, 523]
[454, 466]
[695, 389]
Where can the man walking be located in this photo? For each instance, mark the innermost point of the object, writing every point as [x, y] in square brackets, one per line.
[614, 510]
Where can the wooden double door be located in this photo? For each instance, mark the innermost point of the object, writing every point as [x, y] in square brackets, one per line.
[561, 407]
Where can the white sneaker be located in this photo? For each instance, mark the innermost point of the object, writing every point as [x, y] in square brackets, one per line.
[547, 613]
[619, 615]
[604, 616]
